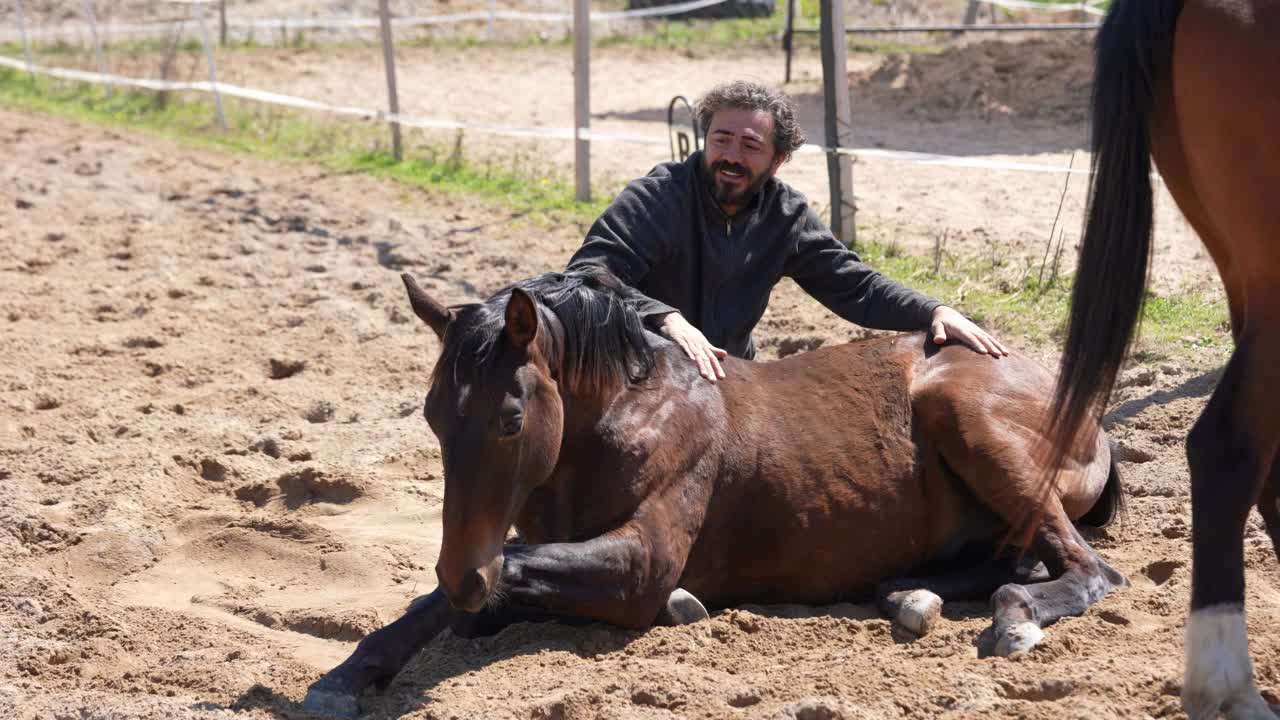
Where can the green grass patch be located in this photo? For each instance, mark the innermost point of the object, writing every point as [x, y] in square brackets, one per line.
[352, 146]
[763, 32]
[1026, 301]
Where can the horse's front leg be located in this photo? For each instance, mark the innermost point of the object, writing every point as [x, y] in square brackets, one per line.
[379, 656]
[624, 578]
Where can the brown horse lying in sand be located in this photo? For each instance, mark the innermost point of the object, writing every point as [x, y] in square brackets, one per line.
[638, 489]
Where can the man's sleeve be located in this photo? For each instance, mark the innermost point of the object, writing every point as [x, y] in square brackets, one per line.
[837, 277]
[630, 238]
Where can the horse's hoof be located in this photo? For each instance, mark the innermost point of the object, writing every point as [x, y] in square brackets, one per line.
[1019, 638]
[331, 703]
[1247, 705]
[918, 611]
[1218, 673]
[683, 608]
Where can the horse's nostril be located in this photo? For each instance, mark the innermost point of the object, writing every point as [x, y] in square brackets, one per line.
[470, 593]
[472, 583]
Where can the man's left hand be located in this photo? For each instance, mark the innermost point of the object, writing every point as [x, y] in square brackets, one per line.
[947, 324]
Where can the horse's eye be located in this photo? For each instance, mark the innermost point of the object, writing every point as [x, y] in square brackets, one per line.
[511, 417]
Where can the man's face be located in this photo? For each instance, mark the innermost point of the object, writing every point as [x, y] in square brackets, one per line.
[740, 155]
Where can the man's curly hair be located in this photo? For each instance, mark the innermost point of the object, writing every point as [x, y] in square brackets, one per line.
[787, 135]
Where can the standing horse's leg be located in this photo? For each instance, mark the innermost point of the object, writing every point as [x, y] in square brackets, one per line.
[916, 603]
[1269, 505]
[1081, 578]
[1230, 450]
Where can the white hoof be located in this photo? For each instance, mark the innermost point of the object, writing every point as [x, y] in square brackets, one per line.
[683, 608]
[1218, 674]
[1019, 638]
[919, 611]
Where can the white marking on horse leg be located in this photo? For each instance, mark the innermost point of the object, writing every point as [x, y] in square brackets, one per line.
[1019, 638]
[919, 610]
[1219, 674]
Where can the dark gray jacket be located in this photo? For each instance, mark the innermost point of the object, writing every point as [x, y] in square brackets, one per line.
[665, 236]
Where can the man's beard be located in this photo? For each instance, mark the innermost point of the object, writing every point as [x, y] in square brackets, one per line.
[726, 195]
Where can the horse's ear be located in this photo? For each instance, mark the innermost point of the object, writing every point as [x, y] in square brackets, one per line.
[435, 315]
[522, 318]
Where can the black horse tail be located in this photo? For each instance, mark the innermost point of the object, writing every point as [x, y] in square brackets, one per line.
[1134, 50]
[1111, 504]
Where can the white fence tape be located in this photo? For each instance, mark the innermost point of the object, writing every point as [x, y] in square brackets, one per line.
[1091, 7]
[269, 25]
[273, 98]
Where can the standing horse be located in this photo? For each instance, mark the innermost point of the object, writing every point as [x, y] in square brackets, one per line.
[1196, 85]
[641, 491]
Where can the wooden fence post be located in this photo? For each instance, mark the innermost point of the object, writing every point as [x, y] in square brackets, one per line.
[207, 42]
[222, 23]
[838, 121]
[582, 98]
[97, 42]
[26, 42]
[788, 36]
[389, 61]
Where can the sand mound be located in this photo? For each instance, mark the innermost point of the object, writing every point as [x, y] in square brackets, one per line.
[1045, 80]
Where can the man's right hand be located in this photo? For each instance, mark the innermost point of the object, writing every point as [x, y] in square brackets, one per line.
[695, 345]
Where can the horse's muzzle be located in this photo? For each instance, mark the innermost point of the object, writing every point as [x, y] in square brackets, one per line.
[469, 593]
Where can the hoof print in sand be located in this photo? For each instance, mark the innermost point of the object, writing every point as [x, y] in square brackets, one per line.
[302, 487]
[280, 369]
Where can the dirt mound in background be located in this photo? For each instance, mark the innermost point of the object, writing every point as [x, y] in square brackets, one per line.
[1044, 79]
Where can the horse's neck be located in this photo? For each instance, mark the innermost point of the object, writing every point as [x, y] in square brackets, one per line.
[595, 481]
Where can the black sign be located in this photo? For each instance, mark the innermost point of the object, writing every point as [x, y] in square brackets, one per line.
[684, 135]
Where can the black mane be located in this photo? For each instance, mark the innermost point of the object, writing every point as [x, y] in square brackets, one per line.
[603, 341]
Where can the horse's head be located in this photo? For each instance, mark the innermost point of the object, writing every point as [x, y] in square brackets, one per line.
[497, 405]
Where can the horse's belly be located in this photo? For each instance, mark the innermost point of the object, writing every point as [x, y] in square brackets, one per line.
[829, 544]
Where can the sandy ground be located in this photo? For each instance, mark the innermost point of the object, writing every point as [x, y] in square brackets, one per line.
[216, 476]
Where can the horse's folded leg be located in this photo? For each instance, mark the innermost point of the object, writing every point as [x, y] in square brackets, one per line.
[916, 603]
[916, 610]
[682, 608]
[378, 658]
[1083, 578]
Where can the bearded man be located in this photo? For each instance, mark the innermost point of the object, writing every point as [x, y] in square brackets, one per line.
[703, 242]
